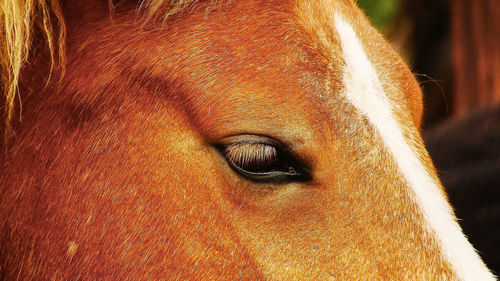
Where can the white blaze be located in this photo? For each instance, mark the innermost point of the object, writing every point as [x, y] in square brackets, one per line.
[364, 90]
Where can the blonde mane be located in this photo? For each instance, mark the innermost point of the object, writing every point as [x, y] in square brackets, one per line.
[21, 18]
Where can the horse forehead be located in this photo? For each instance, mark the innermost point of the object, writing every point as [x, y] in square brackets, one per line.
[291, 40]
[294, 51]
[303, 44]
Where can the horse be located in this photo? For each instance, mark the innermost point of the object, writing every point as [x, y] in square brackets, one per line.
[215, 140]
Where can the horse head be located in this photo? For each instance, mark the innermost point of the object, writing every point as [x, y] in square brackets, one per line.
[217, 140]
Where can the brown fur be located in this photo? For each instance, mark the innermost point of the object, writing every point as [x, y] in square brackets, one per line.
[114, 176]
[22, 19]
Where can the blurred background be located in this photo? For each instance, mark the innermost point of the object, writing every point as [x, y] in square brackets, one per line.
[453, 47]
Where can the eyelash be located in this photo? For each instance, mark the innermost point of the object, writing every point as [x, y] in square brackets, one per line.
[246, 155]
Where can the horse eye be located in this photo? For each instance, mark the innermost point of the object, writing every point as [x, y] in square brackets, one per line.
[262, 159]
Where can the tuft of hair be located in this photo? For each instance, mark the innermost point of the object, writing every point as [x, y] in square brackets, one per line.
[18, 21]
[164, 8]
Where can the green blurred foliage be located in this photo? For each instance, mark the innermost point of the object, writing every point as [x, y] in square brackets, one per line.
[381, 12]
